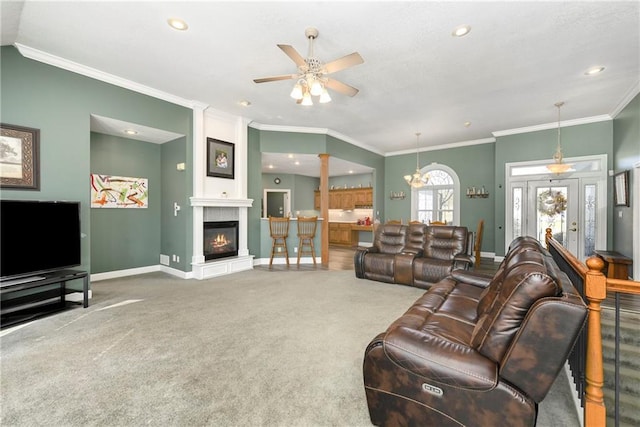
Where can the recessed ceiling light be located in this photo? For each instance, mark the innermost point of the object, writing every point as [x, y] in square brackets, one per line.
[467, 124]
[461, 30]
[177, 24]
[244, 103]
[594, 70]
[290, 156]
[350, 171]
[130, 132]
[270, 166]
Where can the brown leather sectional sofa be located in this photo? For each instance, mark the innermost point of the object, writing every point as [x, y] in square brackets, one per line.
[477, 350]
[414, 254]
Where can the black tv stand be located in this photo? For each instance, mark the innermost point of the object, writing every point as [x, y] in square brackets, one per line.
[39, 301]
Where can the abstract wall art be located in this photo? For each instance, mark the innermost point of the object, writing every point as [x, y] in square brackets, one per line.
[108, 191]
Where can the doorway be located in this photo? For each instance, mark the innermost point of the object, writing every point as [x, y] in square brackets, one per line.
[573, 205]
[277, 203]
[554, 204]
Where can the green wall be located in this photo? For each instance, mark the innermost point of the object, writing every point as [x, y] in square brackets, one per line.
[474, 166]
[626, 151]
[352, 181]
[126, 238]
[59, 103]
[254, 191]
[341, 150]
[177, 231]
[297, 143]
[581, 140]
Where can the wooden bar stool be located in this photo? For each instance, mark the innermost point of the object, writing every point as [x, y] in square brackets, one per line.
[306, 234]
[279, 230]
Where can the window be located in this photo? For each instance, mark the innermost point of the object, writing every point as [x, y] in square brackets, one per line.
[438, 200]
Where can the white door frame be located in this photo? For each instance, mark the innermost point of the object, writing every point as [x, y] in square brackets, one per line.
[635, 199]
[287, 200]
[589, 170]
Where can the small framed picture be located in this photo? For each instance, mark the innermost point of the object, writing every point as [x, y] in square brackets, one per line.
[621, 189]
[19, 157]
[220, 158]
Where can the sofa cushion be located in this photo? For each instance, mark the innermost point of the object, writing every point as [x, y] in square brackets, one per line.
[415, 238]
[445, 242]
[432, 338]
[390, 238]
[523, 283]
[430, 270]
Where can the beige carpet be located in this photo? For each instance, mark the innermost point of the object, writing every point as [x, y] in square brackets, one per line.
[255, 348]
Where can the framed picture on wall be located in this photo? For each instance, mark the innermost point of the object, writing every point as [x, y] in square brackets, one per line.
[220, 158]
[19, 157]
[621, 189]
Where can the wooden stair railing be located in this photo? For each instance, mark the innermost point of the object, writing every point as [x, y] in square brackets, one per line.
[596, 285]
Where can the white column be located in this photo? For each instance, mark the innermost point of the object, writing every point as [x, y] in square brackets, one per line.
[243, 250]
[199, 165]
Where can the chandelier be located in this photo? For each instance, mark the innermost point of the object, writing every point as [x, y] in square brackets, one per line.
[417, 180]
[558, 166]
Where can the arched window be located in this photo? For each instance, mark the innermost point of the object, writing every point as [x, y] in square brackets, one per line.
[439, 200]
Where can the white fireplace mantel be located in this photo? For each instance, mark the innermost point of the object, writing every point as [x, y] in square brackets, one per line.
[208, 269]
[221, 203]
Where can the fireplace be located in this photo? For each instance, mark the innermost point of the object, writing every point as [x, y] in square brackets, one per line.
[220, 239]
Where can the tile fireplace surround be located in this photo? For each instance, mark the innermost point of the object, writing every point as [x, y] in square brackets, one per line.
[211, 209]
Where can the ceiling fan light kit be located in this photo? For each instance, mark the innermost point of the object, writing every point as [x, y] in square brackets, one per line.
[311, 77]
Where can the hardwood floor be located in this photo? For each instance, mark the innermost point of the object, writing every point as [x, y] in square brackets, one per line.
[340, 258]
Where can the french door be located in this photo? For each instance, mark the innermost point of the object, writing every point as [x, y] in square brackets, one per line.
[554, 204]
[574, 206]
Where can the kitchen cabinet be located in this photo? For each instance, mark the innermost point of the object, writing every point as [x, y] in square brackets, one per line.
[347, 198]
[340, 233]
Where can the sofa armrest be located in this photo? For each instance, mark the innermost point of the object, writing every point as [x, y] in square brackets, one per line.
[403, 269]
[439, 360]
[358, 259]
[472, 278]
[462, 261]
[414, 252]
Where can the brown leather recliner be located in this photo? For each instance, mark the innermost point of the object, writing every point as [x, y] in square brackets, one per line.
[445, 249]
[476, 350]
[415, 254]
[378, 261]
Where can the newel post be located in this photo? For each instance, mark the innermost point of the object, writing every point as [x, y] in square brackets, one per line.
[596, 292]
[547, 236]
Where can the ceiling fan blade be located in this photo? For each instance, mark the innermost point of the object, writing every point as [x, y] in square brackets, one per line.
[341, 87]
[276, 78]
[344, 62]
[293, 54]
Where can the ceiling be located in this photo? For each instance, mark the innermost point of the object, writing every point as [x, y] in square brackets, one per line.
[308, 165]
[518, 60]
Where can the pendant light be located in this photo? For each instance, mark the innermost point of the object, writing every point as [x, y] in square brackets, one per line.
[558, 166]
[417, 180]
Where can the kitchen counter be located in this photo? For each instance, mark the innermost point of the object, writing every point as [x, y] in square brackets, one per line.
[356, 227]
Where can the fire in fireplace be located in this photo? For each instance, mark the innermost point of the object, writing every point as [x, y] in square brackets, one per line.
[220, 239]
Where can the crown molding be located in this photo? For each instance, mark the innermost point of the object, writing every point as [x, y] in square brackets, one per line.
[635, 89]
[553, 125]
[318, 131]
[65, 64]
[444, 146]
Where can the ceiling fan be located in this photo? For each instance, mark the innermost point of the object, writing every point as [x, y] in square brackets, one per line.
[312, 73]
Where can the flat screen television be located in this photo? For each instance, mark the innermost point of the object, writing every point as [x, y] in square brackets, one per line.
[38, 237]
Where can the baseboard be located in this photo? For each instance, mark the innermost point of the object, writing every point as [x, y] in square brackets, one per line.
[124, 273]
